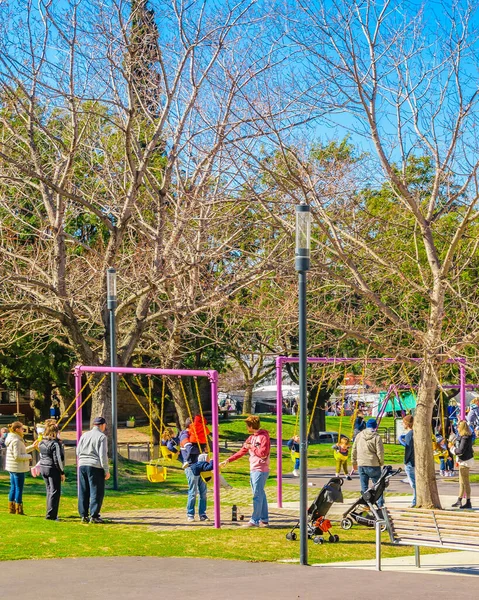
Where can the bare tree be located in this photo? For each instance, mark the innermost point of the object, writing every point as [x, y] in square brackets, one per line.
[122, 129]
[395, 243]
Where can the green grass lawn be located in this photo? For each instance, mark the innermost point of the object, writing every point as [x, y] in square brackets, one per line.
[34, 537]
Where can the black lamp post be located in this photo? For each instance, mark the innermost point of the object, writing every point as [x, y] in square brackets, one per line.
[303, 236]
[112, 304]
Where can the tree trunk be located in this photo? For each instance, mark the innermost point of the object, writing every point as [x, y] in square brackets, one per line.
[427, 495]
[248, 398]
[318, 418]
[179, 400]
[101, 399]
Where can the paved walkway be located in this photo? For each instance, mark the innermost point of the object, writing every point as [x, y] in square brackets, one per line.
[138, 578]
[448, 563]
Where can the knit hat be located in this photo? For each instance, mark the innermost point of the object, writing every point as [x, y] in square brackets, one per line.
[372, 424]
[99, 421]
[203, 458]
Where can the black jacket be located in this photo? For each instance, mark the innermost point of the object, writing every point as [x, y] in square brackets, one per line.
[409, 448]
[464, 450]
[52, 455]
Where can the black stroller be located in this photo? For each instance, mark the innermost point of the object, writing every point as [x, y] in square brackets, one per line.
[317, 523]
[365, 511]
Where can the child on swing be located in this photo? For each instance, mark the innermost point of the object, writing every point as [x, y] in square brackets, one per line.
[341, 453]
[293, 445]
[441, 452]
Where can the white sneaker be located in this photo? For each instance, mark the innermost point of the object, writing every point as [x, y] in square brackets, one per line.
[190, 519]
[296, 472]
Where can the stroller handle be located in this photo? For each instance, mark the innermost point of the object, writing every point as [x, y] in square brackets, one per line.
[392, 472]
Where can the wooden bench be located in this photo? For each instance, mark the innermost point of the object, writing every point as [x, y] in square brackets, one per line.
[451, 529]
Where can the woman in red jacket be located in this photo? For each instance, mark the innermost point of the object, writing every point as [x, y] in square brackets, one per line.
[258, 445]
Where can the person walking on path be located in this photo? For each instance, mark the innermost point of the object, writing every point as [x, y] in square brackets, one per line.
[17, 463]
[368, 455]
[407, 440]
[52, 465]
[464, 453]
[92, 454]
[258, 445]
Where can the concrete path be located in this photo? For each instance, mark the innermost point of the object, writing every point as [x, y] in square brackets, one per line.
[448, 563]
[140, 578]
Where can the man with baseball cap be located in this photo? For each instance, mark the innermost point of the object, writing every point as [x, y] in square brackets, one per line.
[94, 470]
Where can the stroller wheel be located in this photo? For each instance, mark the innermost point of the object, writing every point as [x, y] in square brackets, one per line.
[346, 523]
[332, 539]
[336, 538]
[291, 536]
[318, 540]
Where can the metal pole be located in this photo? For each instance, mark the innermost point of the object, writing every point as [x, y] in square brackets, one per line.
[113, 383]
[216, 448]
[78, 418]
[303, 432]
[462, 375]
[279, 433]
[379, 524]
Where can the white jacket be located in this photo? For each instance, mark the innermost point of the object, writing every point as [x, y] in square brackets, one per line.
[17, 459]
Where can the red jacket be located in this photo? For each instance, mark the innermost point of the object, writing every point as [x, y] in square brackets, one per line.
[258, 452]
[198, 430]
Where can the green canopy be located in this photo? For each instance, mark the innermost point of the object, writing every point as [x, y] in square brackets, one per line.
[408, 401]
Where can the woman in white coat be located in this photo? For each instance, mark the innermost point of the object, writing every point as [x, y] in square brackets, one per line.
[17, 464]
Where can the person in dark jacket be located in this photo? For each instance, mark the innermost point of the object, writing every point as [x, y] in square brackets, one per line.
[464, 453]
[407, 440]
[52, 467]
[359, 423]
[197, 486]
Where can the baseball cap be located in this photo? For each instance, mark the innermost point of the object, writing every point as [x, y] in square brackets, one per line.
[99, 421]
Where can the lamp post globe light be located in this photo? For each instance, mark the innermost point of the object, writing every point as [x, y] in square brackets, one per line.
[111, 305]
[302, 263]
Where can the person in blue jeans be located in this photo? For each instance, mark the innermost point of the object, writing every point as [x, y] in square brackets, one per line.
[197, 486]
[258, 446]
[407, 440]
[17, 463]
[368, 456]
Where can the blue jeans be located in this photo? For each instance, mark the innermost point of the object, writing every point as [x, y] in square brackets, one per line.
[91, 491]
[17, 481]
[296, 463]
[411, 475]
[260, 502]
[367, 473]
[196, 486]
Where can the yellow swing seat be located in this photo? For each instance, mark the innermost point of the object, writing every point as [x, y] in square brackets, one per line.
[155, 472]
[295, 455]
[168, 455]
[207, 476]
[339, 456]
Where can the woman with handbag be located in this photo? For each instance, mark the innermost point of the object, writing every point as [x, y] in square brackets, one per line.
[52, 465]
[17, 464]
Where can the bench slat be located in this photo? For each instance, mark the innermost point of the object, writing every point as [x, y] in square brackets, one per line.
[441, 525]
